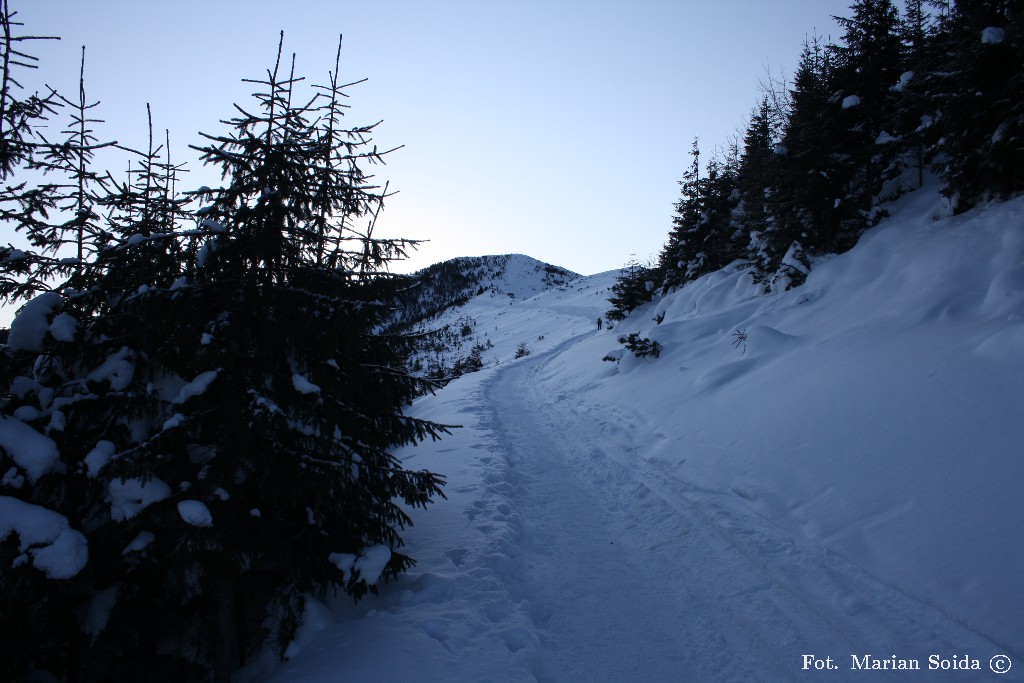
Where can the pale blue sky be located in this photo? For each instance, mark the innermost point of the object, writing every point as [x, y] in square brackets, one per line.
[555, 129]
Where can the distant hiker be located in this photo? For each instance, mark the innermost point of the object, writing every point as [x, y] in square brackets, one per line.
[598, 324]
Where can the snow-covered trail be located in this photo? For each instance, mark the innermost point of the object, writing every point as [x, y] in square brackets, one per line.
[567, 552]
[608, 601]
[629, 574]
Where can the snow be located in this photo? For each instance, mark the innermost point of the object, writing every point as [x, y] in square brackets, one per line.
[197, 387]
[99, 456]
[850, 101]
[204, 254]
[343, 561]
[27, 413]
[23, 386]
[195, 513]
[129, 497]
[140, 542]
[12, 479]
[117, 369]
[44, 537]
[993, 35]
[1000, 132]
[885, 138]
[846, 481]
[904, 81]
[64, 327]
[97, 613]
[29, 327]
[31, 451]
[371, 563]
[791, 258]
[173, 421]
[212, 225]
[303, 385]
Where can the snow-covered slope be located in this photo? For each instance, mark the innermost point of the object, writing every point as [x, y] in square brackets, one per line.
[486, 302]
[834, 472]
[455, 282]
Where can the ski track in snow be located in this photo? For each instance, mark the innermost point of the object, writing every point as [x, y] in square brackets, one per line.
[627, 574]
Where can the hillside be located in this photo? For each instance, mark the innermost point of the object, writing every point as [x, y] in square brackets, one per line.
[831, 471]
[469, 302]
[454, 282]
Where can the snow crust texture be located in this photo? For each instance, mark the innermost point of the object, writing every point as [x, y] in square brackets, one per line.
[834, 470]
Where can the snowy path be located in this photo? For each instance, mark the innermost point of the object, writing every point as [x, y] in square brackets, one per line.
[630, 575]
[567, 552]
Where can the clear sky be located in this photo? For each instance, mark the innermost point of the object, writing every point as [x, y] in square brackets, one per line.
[552, 128]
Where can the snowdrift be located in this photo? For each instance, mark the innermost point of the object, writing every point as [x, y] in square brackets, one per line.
[876, 411]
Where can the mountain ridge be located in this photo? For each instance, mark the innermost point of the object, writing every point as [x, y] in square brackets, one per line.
[454, 340]
[455, 281]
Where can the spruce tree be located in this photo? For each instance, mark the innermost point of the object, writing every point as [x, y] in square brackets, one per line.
[24, 206]
[755, 182]
[683, 240]
[220, 402]
[867, 63]
[809, 186]
[981, 153]
[81, 189]
[633, 287]
[704, 237]
[914, 101]
[722, 242]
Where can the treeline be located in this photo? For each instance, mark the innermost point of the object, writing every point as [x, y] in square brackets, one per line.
[197, 404]
[938, 88]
